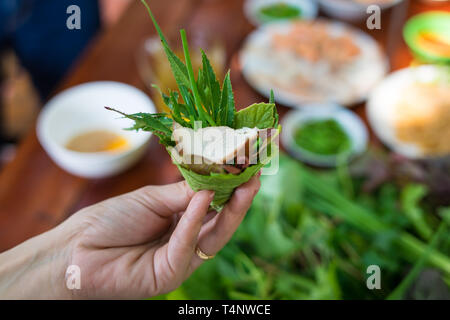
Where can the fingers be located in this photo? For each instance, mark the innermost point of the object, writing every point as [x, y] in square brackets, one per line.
[166, 200]
[227, 221]
[182, 243]
[136, 217]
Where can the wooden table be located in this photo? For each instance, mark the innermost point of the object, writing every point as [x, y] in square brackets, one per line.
[36, 195]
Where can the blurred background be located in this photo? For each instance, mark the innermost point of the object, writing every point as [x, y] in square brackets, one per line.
[363, 95]
[36, 54]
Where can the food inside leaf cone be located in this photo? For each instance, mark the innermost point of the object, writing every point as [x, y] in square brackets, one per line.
[214, 146]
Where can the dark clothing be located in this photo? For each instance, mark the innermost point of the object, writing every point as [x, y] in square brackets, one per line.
[37, 31]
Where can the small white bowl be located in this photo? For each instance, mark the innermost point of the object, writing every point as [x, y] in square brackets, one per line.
[251, 9]
[350, 11]
[349, 121]
[82, 108]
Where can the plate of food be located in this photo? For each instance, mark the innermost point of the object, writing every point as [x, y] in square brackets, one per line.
[265, 11]
[214, 146]
[312, 61]
[410, 111]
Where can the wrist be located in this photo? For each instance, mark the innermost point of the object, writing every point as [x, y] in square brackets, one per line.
[36, 268]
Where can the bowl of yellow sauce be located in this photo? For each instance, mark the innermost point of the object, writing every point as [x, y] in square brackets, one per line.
[98, 141]
[84, 138]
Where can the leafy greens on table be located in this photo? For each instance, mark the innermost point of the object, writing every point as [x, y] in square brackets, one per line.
[306, 238]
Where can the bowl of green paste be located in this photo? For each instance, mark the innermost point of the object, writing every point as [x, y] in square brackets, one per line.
[324, 135]
[260, 12]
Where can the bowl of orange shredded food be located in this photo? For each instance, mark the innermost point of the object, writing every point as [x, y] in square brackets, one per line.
[410, 111]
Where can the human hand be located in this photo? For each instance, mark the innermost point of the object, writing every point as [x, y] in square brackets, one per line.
[142, 243]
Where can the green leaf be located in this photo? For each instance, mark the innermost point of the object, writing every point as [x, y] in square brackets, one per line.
[189, 101]
[222, 184]
[223, 106]
[179, 69]
[173, 102]
[212, 84]
[410, 200]
[258, 115]
[201, 112]
[163, 139]
[231, 110]
[157, 123]
[202, 90]
[177, 109]
[227, 109]
[272, 100]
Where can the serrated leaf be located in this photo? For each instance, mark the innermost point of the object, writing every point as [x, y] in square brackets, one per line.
[189, 101]
[179, 69]
[156, 123]
[212, 84]
[201, 88]
[176, 109]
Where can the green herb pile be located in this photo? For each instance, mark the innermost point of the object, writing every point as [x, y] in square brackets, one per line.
[280, 11]
[324, 137]
[312, 235]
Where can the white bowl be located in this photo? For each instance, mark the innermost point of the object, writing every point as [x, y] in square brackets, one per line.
[382, 105]
[349, 10]
[349, 121]
[82, 108]
[251, 9]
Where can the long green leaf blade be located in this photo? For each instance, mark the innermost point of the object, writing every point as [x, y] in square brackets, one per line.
[213, 85]
[188, 100]
[178, 67]
[272, 97]
[223, 106]
[202, 113]
[231, 110]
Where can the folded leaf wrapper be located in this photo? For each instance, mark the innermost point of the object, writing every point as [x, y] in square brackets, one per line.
[223, 184]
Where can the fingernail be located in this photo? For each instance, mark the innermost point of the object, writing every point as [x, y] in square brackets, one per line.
[212, 194]
[259, 174]
[209, 193]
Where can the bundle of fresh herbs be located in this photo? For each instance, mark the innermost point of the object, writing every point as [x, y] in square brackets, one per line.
[202, 102]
